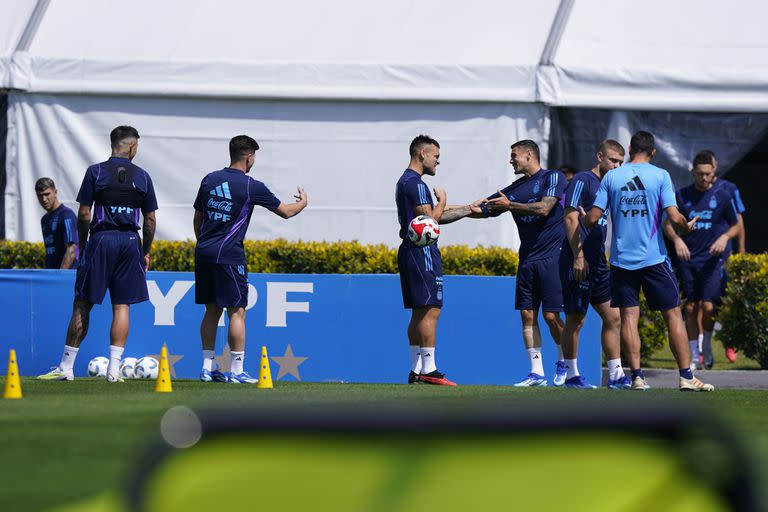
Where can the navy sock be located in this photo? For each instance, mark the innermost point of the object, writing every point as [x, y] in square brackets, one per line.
[638, 373]
[686, 373]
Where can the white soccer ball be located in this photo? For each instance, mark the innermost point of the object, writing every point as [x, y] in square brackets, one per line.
[423, 231]
[127, 367]
[146, 368]
[97, 367]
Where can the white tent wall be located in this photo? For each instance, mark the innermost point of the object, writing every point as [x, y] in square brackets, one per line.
[14, 19]
[348, 156]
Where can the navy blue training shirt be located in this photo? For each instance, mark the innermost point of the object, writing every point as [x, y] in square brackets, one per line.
[120, 190]
[410, 192]
[540, 237]
[581, 191]
[59, 230]
[226, 198]
[717, 211]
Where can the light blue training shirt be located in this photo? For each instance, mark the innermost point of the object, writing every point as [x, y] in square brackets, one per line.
[636, 195]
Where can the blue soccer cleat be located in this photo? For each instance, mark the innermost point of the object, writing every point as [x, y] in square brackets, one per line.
[578, 382]
[219, 376]
[622, 383]
[560, 373]
[533, 380]
[205, 375]
[242, 378]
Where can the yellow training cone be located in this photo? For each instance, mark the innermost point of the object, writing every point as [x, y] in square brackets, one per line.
[265, 376]
[163, 384]
[12, 382]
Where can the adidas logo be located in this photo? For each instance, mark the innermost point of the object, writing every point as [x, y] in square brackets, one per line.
[427, 355]
[222, 191]
[633, 184]
[238, 358]
[536, 356]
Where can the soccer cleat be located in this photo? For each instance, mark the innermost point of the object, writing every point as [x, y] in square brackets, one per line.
[694, 384]
[578, 382]
[114, 378]
[560, 373]
[730, 354]
[621, 383]
[413, 378]
[205, 375]
[242, 378]
[533, 380]
[436, 378]
[219, 376]
[639, 384]
[708, 364]
[57, 373]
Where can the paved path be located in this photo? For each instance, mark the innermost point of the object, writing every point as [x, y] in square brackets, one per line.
[723, 379]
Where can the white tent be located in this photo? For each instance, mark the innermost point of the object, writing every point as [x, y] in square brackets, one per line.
[335, 90]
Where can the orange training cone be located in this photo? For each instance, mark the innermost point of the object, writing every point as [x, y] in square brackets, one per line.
[163, 384]
[12, 382]
[265, 375]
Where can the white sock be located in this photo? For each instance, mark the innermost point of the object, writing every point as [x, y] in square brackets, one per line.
[571, 368]
[237, 362]
[428, 364]
[535, 356]
[694, 344]
[706, 345]
[560, 356]
[209, 359]
[615, 370]
[701, 342]
[115, 354]
[415, 358]
[68, 357]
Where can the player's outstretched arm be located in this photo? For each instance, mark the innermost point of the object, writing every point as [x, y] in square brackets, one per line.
[591, 217]
[682, 225]
[539, 209]
[452, 213]
[287, 211]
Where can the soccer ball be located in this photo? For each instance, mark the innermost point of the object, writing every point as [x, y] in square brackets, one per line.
[423, 231]
[146, 368]
[97, 367]
[127, 367]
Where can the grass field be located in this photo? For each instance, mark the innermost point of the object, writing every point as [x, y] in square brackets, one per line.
[65, 442]
[664, 359]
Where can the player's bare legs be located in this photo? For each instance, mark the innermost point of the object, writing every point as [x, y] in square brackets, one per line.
[78, 328]
[532, 342]
[555, 324]
[610, 338]
[630, 316]
[423, 328]
[708, 312]
[691, 314]
[677, 337]
[118, 335]
[570, 338]
[236, 336]
[208, 326]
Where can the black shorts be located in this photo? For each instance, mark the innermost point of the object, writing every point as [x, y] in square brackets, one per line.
[222, 284]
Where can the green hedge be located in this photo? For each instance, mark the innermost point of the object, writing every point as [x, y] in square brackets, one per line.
[744, 314]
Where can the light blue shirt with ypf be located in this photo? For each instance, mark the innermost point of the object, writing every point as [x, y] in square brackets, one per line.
[636, 195]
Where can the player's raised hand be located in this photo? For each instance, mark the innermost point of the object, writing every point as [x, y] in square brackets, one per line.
[300, 195]
[690, 225]
[501, 202]
[440, 195]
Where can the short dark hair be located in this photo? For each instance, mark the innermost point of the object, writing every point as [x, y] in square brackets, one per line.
[704, 157]
[121, 133]
[610, 144]
[241, 146]
[642, 142]
[567, 169]
[527, 145]
[419, 142]
[44, 184]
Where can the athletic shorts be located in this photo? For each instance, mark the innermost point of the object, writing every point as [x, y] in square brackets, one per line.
[538, 284]
[222, 284]
[702, 282]
[421, 276]
[577, 296]
[657, 282]
[114, 261]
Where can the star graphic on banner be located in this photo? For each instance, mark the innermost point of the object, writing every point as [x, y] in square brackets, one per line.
[225, 359]
[289, 364]
[172, 360]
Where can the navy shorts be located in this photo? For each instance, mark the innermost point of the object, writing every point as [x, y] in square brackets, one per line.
[577, 296]
[112, 260]
[222, 284]
[421, 276]
[702, 282]
[657, 281]
[538, 284]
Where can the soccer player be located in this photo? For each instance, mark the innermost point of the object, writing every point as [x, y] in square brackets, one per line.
[115, 257]
[637, 194]
[421, 275]
[59, 226]
[701, 252]
[585, 274]
[223, 209]
[535, 203]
